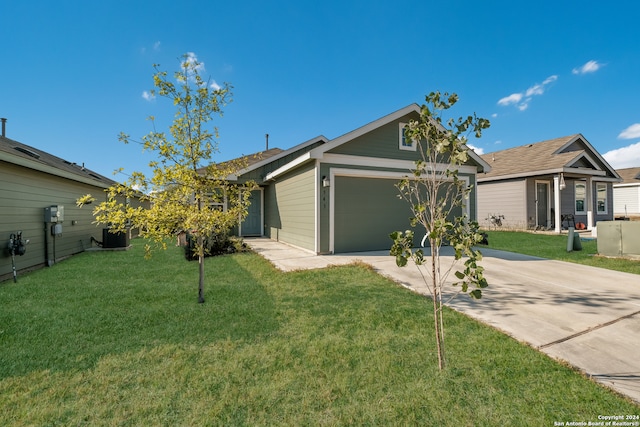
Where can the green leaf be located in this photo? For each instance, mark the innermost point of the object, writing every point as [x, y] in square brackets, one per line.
[476, 294]
[401, 261]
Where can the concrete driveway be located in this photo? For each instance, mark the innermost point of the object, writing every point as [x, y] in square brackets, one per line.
[586, 316]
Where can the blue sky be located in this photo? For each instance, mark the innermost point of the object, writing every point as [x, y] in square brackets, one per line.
[74, 73]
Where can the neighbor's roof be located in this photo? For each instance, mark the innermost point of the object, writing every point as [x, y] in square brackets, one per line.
[629, 175]
[17, 153]
[260, 156]
[566, 154]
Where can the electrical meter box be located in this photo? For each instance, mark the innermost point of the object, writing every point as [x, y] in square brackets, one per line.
[54, 213]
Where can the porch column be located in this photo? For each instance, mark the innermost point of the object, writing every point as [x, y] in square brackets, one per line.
[556, 203]
[589, 201]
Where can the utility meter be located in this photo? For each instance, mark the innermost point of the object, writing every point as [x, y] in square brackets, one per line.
[54, 213]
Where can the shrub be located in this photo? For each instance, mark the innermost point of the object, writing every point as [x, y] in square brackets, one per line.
[216, 244]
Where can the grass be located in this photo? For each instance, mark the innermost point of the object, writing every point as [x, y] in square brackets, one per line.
[555, 247]
[111, 339]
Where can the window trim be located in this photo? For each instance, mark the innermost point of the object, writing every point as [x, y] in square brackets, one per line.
[584, 198]
[606, 201]
[401, 139]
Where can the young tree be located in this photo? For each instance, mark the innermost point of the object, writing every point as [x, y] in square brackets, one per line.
[437, 197]
[187, 190]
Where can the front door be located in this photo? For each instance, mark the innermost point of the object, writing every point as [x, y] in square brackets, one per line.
[252, 224]
[542, 204]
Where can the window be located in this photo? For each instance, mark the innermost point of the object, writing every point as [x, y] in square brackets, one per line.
[216, 201]
[405, 143]
[601, 189]
[581, 197]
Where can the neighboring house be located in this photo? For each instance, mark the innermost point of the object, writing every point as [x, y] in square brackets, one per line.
[332, 196]
[626, 194]
[31, 181]
[547, 185]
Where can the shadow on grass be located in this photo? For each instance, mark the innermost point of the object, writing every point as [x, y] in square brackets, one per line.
[97, 304]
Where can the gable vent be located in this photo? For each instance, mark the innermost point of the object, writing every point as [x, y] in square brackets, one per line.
[28, 152]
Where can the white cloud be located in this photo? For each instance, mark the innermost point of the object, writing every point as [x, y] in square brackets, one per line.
[514, 98]
[625, 157]
[192, 58]
[538, 88]
[214, 85]
[522, 99]
[631, 132]
[479, 151]
[148, 96]
[589, 67]
[156, 46]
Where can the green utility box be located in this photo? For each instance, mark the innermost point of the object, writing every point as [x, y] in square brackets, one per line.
[619, 238]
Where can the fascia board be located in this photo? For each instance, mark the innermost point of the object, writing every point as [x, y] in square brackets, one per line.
[281, 155]
[632, 184]
[544, 172]
[285, 168]
[586, 156]
[382, 162]
[486, 167]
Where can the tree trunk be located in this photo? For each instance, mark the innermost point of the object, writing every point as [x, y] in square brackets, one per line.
[437, 309]
[201, 268]
[200, 242]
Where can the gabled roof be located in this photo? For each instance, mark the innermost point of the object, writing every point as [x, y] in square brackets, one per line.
[261, 158]
[15, 152]
[318, 152]
[567, 154]
[629, 175]
[415, 108]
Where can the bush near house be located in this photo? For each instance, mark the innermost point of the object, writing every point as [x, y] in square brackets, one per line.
[215, 244]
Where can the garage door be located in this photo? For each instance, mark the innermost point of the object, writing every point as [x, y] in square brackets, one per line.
[366, 210]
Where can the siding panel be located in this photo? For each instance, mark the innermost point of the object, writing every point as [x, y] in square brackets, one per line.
[506, 198]
[291, 208]
[626, 200]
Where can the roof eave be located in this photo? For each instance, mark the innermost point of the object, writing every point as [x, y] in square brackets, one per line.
[598, 173]
[289, 166]
[319, 138]
[51, 170]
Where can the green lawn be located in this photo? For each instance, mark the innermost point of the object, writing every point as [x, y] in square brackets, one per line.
[107, 338]
[555, 247]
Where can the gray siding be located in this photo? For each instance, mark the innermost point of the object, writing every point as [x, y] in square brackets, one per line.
[290, 208]
[503, 198]
[24, 193]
